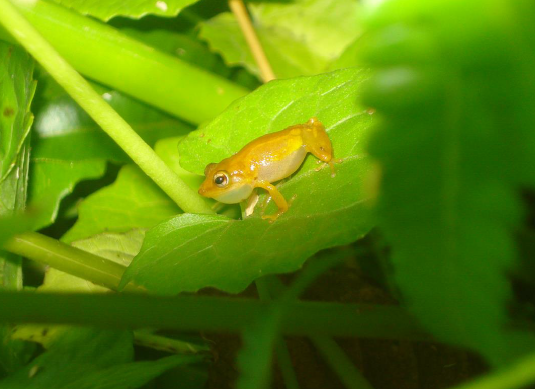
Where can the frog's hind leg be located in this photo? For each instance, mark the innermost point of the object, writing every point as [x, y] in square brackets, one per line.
[281, 202]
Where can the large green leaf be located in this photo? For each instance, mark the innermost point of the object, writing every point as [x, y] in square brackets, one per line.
[132, 201]
[456, 143]
[53, 179]
[17, 88]
[69, 147]
[194, 51]
[120, 248]
[299, 38]
[16, 92]
[88, 358]
[194, 251]
[64, 131]
[106, 10]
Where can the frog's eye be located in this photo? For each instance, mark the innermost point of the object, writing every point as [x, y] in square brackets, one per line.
[221, 179]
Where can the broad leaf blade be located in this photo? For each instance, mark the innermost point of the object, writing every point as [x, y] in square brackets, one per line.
[64, 131]
[53, 179]
[106, 10]
[132, 201]
[452, 162]
[190, 252]
[17, 88]
[89, 358]
[299, 38]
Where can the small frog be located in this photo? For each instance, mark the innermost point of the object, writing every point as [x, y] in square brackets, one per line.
[267, 159]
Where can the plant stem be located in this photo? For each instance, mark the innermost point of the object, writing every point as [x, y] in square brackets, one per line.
[100, 111]
[69, 259]
[340, 363]
[194, 313]
[281, 349]
[104, 54]
[240, 12]
[147, 339]
[284, 361]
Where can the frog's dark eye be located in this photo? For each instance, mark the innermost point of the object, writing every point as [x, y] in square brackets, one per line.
[221, 179]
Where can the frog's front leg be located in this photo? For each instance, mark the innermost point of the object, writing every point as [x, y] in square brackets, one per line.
[281, 202]
[330, 164]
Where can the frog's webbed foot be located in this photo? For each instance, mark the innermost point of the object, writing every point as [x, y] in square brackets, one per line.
[330, 164]
[276, 196]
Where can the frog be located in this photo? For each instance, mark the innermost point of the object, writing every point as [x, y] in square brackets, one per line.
[265, 160]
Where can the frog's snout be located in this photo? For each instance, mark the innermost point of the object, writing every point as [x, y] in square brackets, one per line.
[202, 190]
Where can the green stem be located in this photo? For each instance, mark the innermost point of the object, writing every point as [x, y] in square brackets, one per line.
[194, 313]
[147, 339]
[100, 111]
[281, 349]
[104, 54]
[340, 363]
[284, 361]
[518, 375]
[69, 259]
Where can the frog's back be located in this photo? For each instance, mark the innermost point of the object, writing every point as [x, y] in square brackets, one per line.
[276, 155]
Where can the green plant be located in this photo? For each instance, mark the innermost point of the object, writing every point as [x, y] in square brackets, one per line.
[439, 94]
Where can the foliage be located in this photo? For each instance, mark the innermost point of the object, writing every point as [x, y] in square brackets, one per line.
[17, 89]
[452, 163]
[300, 37]
[95, 359]
[134, 9]
[211, 240]
[446, 112]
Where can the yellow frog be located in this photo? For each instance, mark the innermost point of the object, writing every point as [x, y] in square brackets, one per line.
[267, 159]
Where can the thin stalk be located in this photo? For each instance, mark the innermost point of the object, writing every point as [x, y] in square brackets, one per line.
[281, 349]
[110, 121]
[164, 343]
[240, 12]
[340, 363]
[71, 260]
[284, 362]
[194, 313]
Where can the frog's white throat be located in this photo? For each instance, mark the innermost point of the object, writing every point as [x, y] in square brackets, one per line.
[235, 195]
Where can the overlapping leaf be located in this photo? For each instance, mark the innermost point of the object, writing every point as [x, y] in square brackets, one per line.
[16, 92]
[456, 142]
[132, 201]
[69, 147]
[64, 131]
[88, 358]
[190, 252]
[299, 38]
[106, 10]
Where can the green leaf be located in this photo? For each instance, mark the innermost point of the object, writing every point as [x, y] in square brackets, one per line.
[65, 131]
[133, 8]
[51, 180]
[120, 248]
[185, 47]
[132, 201]
[229, 254]
[70, 147]
[455, 145]
[17, 88]
[299, 38]
[89, 358]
